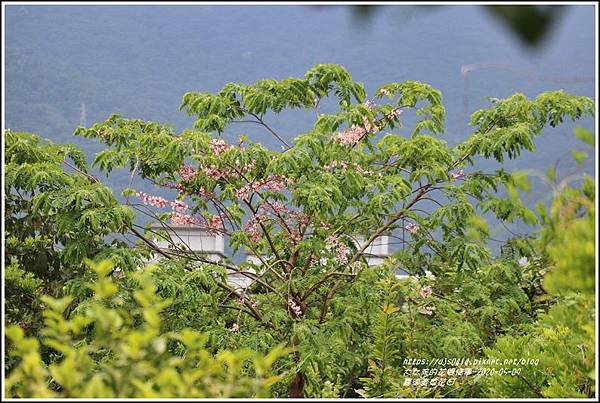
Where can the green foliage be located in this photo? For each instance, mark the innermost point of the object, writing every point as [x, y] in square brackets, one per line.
[22, 290]
[572, 247]
[309, 214]
[562, 342]
[512, 123]
[563, 339]
[102, 354]
[384, 365]
[56, 215]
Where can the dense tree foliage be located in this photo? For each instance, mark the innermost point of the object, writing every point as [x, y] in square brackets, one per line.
[308, 213]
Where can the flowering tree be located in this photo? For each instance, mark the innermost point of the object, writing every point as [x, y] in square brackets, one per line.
[357, 174]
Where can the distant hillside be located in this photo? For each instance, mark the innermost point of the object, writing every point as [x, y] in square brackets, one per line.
[140, 60]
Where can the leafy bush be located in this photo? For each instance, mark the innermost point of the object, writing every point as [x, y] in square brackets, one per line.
[563, 339]
[107, 351]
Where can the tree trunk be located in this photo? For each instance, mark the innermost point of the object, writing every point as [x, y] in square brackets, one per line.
[296, 386]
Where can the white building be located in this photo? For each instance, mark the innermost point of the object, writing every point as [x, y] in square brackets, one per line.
[375, 253]
[212, 247]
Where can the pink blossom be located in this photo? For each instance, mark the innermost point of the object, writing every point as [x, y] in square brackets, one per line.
[187, 173]
[341, 249]
[425, 291]
[178, 205]
[352, 136]
[331, 241]
[343, 252]
[182, 219]
[302, 218]
[234, 328]
[361, 170]
[243, 192]
[249, 166]
[355, 133]
[215, 172]
[368, 127]
[274, 184]
[344, 165]
[412, 228]
[153, 200]
[295, 236]
[459, 175]
[214, 224]
[204, 193]
[218, 146]
[294, 307]
[180, 189]
[252, 229]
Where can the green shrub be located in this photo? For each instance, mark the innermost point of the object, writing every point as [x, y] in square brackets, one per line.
[106, 351]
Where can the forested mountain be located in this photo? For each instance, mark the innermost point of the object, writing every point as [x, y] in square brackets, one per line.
[138, 61]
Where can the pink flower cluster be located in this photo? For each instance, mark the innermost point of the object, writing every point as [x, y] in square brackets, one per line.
[153, 200]
[352, 136]
[342, 250]
[411, 227]
[280, 210]
[276, 206]
[295, 236]
[253, 231]
[425, 291]
[253, 227]
[355, 133]
[234, 328]
[214, 224]
[294, 307]
[216, 173]
[187, 173]
[274, 184]
[218, 146]
[178, 205]
[204, 193]
[459, 175]
[183, 219]
[335, 164]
